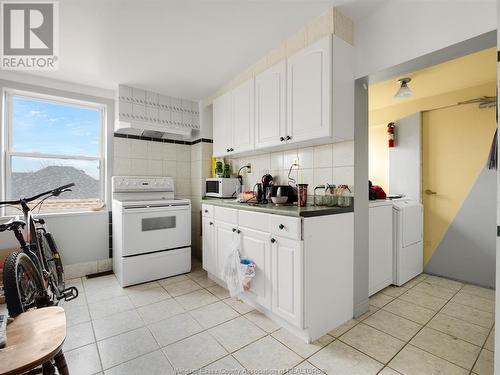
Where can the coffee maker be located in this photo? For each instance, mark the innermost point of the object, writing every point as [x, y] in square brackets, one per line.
[267, 182]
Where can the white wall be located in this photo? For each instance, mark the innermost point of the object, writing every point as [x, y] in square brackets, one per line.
[402, 30]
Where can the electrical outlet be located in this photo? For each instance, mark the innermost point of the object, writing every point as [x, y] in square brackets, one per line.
[296, 162]
[249, 169]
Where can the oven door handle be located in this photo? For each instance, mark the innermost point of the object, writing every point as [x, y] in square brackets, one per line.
[147, 209]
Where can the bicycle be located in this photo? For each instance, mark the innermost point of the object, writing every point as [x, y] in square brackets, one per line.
[34, 276]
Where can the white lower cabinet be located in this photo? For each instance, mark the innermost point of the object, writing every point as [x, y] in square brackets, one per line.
[293, 265]
[209, 254]
[256, 245]
[287, 279]
[224, 239]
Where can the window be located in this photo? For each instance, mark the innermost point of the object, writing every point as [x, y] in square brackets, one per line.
[52, 142]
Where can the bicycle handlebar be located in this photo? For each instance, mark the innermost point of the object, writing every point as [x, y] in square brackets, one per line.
[55, 192]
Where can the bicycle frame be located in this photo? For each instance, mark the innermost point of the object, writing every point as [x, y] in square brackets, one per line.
[29, 240]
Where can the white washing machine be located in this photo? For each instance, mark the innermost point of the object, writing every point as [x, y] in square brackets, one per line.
[408, 246]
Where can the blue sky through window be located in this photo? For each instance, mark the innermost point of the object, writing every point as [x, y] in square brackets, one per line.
[51, 128]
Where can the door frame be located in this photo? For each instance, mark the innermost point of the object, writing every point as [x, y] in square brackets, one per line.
[361, 240]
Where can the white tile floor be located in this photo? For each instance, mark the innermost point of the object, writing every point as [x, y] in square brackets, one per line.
[429, 326]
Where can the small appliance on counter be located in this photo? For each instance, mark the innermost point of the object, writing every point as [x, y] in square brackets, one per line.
[284, 191]
[219, 187]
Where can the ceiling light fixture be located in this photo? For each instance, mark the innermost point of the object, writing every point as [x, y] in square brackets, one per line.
[404, 91]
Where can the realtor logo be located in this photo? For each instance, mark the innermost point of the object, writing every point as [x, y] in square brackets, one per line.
[29, 35]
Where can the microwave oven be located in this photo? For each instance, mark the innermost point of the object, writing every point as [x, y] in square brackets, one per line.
[221, 187]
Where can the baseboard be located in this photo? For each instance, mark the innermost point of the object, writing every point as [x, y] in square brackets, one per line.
[361, 307]
[76, 270]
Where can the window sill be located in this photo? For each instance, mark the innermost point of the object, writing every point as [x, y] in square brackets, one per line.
[47, 215]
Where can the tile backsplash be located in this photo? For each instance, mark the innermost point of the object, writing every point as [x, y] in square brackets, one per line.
[330, 163]
[135, 157]
[189, 165]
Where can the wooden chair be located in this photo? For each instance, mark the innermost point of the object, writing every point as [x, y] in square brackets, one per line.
[35, 339]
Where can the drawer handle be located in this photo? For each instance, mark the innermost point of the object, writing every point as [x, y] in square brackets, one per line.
[288, 138]
[206, 211]
[281, 226]
[211, 223]
[234, 230]
[238, 231]
[273, 240]
[282, 139]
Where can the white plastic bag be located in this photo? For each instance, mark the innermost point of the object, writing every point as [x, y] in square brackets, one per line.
[232, 275]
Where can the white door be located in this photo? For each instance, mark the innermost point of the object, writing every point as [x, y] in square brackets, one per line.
[270, 106]
[287, 272]
[225, 233]
[221, 128]
[256, 245]
[380, 249]
[309, 86]
[209, 255]
[242, 117]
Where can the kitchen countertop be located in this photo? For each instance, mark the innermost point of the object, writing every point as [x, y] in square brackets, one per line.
[286, 210]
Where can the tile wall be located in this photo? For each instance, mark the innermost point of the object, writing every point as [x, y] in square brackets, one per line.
[331, 163]
[201, 154]
[135, 157]
[187, 164]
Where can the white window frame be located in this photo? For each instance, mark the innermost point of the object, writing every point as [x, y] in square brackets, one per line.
[8, 152]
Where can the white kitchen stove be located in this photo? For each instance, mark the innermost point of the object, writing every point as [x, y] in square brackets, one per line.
[151, 229]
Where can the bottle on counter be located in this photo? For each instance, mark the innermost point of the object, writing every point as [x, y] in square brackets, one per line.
[302, 194]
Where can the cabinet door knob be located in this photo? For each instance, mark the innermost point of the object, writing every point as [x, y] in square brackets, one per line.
[234, 230]
[282, 139]
[206, 211]
[288, 137]
[231, 149]
[227, 150]
[281, 226]
[211, 223]
[238, 231]
[273, 240]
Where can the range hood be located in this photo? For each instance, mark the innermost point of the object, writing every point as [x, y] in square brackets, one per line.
[148, 114]
[147, 129]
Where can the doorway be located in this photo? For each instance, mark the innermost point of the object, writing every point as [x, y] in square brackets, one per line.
[443, 136]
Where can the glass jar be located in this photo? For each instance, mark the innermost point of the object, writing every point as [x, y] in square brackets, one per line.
[318, 200]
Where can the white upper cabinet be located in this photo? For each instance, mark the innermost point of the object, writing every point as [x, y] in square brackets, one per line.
[307, 99]
[221, 127]
[309, 93]
[270, 106]
[242, 117]
[233, 120]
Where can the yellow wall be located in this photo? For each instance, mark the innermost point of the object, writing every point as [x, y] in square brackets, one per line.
[378, 156]
[378, 120]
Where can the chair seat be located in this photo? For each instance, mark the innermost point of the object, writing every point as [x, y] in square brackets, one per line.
[33, 338]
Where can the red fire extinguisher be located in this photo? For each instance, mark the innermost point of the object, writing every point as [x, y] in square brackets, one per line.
[390, 134]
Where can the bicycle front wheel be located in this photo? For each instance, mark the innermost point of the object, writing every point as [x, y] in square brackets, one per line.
[23, 285]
